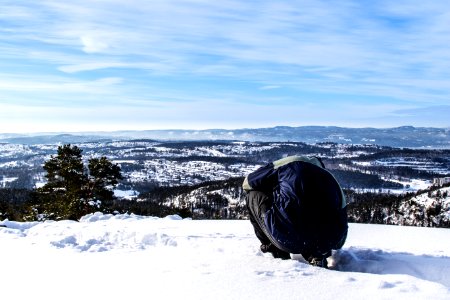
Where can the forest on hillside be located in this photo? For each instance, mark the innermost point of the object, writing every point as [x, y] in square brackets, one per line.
[226, 200]
[202, 179]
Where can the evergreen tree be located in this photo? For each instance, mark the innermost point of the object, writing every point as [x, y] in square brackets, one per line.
[103, 175]
[71, 190]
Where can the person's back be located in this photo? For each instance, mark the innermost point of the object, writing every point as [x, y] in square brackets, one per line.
[299, 206]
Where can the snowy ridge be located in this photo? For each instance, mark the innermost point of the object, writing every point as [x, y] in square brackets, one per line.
[428, 209]
[124, 236]
[136, 257]
[405, 136]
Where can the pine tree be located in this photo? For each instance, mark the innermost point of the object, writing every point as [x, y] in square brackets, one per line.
[103, 175]
[72, 190]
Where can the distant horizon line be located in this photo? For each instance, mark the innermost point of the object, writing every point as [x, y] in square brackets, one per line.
[214, 129]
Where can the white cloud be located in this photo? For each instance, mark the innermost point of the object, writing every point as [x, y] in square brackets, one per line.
[90, 66]
[93, 44]
[270, 87]
[54, 84]
[154, 52]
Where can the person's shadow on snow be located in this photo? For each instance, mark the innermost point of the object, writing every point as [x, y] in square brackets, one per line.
[431, 268]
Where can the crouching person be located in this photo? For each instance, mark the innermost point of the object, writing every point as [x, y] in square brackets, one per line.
[297, 206]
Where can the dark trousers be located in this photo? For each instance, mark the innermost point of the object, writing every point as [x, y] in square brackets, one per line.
[257, 205]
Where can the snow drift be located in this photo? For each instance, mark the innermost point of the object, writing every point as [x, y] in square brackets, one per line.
[136, 257]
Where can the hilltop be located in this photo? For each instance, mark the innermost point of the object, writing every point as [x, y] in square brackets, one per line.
[133, 257]
[404, 136]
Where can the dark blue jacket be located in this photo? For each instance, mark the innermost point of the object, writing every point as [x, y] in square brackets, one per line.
[308, 213]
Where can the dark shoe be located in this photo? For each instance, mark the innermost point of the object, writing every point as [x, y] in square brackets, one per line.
[281, 254]
[318, 262]
[276, 253]
[265, 248]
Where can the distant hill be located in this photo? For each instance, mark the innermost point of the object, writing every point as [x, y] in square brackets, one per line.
[53, 138]
[403, 137]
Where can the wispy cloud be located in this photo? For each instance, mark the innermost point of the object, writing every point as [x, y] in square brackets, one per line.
[270, 87]
[242, 53]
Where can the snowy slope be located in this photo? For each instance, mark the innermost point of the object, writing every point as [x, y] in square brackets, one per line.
[134, 257]
[427, 209]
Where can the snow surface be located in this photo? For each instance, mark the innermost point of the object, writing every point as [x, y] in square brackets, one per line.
[135, 257]
[128, 195]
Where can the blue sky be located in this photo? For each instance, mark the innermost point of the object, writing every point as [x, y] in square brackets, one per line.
[84, 65]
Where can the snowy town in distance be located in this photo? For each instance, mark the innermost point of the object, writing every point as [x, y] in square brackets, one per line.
[202, 168]
[383, 169]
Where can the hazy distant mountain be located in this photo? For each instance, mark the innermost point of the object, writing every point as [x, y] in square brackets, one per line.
[53, 138]
[406, 136]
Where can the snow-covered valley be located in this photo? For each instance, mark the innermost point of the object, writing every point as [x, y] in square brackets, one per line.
[145, 162]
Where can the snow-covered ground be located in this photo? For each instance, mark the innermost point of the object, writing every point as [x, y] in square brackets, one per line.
[409, 186]
[135, 257]
[4, 180]
[168, 172]
[127, 195]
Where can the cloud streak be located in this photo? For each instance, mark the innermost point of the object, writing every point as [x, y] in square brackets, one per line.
[249, 53]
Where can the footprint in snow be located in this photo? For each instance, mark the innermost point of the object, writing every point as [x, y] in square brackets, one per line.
[426, 267]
